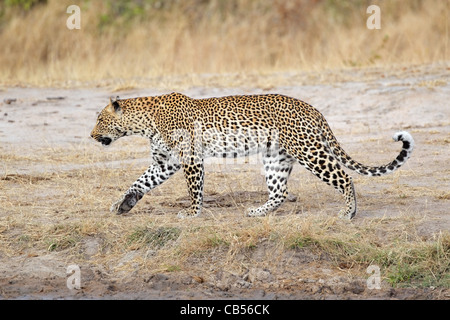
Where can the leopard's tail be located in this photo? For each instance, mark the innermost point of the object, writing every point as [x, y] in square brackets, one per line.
[348, 162]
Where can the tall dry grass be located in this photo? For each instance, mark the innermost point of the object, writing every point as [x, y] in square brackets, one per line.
[164, 38]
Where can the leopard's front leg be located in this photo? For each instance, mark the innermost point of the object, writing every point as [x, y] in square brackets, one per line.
[163, 167]
[194, 174]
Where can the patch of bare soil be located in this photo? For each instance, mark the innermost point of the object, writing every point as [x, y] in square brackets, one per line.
[295, 275]
[56, 187]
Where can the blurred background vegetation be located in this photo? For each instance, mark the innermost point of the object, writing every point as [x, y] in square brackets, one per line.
[129, 39]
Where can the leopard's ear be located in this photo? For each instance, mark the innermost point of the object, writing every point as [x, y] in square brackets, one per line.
[114, 103]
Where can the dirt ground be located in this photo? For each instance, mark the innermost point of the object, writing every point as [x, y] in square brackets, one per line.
[363, 108]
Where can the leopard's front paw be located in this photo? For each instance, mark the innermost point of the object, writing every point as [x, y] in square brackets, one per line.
[255, 212]
[344, 214]
[125, 203]
[187, 213]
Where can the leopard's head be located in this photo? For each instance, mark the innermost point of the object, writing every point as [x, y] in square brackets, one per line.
[110, 124]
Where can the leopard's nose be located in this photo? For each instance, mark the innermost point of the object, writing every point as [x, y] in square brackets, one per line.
[105, 141]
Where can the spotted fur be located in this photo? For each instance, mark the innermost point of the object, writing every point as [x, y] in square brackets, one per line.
[184, 131]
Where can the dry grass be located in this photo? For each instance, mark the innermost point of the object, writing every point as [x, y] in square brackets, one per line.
[193, 38]
[64, 210]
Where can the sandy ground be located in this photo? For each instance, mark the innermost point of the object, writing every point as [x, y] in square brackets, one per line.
[363, 109]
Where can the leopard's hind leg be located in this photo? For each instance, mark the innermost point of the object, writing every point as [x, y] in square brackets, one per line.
[317, 158]
[277, 166]
[334, 175]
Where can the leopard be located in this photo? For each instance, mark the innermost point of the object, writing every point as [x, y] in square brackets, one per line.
[282, 130]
